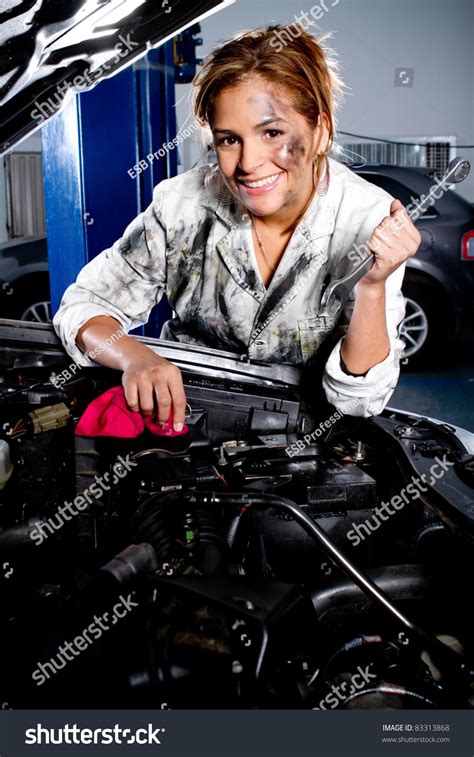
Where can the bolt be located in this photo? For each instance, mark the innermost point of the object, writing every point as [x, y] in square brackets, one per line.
[360, 453]
[237, 667]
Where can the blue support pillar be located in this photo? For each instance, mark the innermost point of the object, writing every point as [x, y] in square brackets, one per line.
[88, 151]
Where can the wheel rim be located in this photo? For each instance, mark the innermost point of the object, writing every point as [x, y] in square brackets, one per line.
[39, 312]
[414, 328]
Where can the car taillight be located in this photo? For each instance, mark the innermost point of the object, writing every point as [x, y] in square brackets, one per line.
[467, 246]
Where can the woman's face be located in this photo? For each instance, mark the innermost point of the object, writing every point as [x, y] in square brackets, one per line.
[260, 138]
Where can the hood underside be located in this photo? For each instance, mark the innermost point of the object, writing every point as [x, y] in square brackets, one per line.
[46, 45]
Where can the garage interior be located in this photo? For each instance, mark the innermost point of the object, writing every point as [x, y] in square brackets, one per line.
[79, 162]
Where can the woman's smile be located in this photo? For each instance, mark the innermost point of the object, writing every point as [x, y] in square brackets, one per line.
[261, 186]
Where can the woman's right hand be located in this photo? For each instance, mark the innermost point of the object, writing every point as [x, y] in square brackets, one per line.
[148, 379]
[150, 382]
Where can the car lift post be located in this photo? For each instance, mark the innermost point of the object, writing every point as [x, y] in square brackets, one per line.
[88, 150]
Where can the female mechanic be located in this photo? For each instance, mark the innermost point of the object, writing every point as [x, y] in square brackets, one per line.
[243, 248]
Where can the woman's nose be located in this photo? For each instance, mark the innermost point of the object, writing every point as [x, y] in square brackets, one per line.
[251, 157]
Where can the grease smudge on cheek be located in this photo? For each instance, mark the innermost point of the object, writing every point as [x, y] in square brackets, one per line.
[291, 154]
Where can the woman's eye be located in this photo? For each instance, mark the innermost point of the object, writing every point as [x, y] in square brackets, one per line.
[274, 133]
[226, 140]
[230, 140]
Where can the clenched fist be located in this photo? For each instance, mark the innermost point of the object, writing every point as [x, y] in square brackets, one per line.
[393, 241]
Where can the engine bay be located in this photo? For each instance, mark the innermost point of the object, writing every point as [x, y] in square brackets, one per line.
[271, 557]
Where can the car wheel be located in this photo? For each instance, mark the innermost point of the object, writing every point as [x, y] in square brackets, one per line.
[414, 328]
[29, 299]
[422, 329]
[38, 312]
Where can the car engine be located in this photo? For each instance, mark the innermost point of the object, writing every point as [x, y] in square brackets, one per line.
[276, 555]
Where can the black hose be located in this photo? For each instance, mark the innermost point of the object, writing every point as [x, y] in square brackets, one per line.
[134, 559]
[400, 582]
[232, 530]
[450, 662]
[35, 396]
[152, 522]
[32, 393]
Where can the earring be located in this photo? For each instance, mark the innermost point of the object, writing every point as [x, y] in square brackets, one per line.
[323, 185]
[216, 187]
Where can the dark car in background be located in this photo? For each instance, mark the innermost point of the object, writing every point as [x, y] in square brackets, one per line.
[439, 280]
[24, 279]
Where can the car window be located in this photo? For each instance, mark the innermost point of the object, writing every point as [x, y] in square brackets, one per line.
[398, 190]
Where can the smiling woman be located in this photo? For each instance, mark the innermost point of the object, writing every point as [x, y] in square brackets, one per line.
[266, 161]
[270, 143]
[244, 249]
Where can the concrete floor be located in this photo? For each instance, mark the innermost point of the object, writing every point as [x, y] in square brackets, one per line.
[447, 394]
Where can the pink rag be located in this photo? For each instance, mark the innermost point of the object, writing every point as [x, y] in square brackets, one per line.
[109, 415]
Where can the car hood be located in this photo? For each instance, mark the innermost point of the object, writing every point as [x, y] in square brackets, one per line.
[46, 44]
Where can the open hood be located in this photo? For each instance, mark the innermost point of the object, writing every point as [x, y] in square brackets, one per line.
[56, 48]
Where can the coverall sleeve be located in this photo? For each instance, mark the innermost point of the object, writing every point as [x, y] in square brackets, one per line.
[124, 281]
[367, 395]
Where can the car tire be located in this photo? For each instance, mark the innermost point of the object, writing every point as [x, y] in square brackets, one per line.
[29, 300]
[425, 327]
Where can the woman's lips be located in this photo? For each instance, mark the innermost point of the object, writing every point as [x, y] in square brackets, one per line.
[261, 190]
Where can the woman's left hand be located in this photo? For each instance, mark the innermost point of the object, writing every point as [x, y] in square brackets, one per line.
[393, 241]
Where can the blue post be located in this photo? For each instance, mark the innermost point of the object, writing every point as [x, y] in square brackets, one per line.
[88, 151]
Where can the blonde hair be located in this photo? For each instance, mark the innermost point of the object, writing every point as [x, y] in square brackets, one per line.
[301, 64]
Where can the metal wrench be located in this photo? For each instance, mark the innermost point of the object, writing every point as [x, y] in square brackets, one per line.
[337, 293]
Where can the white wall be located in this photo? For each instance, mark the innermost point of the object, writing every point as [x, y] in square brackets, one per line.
[372, 38]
